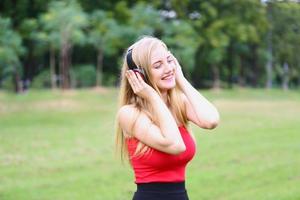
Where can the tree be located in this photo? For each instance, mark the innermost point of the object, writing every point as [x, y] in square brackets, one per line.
[29, 31]
[106, 36]
[285, 28]
[227, 31]
[10, 50]
[50, 38]
[181, 39]
[68, 19]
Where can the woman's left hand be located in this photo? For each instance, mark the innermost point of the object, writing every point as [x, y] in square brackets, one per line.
[178, 71]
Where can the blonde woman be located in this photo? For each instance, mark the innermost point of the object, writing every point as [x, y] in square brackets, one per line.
[156, 104]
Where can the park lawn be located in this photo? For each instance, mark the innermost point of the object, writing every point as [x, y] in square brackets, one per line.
[56, 145]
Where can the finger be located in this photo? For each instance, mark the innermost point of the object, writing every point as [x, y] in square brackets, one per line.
[141, 83]
[138, 81]
[134, 78]
[130, 81]
[131, 76]
[140, 78]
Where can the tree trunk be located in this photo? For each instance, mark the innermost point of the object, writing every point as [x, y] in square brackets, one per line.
[69, 63]
[230, 65]
[269, 67]
[216, 77]
[99, 68]
[255, 69]
[17, 81]
[65, 60]
[64, 66]
[285, 76]
[29, 65]
[52, 68]
[241, 78]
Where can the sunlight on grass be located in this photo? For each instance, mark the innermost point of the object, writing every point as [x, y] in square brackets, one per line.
[58, 145]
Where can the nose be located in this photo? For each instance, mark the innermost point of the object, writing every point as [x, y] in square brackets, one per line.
[168, 67]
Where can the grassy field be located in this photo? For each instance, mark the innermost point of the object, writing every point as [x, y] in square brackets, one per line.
[59, 146]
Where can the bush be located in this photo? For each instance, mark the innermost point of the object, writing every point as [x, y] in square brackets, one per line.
[42, 80]
[109, 79]
[83, 76]
[7, 83]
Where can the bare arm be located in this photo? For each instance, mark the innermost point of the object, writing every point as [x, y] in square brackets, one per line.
[199, 109]
[164, 137]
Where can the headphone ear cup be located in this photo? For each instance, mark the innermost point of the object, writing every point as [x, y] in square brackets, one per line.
[140, 72]
[132, 65]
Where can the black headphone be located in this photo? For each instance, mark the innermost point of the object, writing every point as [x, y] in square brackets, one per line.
[132, 65]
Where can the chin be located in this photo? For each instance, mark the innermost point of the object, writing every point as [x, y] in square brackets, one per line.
[168, 86]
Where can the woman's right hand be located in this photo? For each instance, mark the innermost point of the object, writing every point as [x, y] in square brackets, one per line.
[139, 86]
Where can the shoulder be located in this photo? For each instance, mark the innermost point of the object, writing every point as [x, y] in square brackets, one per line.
[129, 117]
[125, 114]
[126, 110]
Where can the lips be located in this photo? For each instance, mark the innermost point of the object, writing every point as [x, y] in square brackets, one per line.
[168, 77]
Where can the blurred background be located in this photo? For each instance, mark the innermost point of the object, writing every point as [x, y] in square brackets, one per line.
[75, 44]
[60, 63]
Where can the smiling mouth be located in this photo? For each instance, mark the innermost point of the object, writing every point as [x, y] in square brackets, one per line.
[168, 77]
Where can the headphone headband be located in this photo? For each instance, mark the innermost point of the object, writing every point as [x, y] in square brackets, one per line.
[132, 65]
[130, 62]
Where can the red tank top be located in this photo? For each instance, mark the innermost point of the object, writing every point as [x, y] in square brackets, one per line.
[157, 166]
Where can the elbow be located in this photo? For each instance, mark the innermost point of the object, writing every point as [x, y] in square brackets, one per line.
[180, 149]
[177, 149]
[213, 122]
[173, 147]
[212, 125]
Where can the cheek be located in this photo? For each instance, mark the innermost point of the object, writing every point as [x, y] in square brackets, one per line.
[155, 74]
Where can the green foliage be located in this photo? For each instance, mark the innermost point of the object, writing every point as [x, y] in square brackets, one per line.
[7, 83]
[10, 50]
[84, 76]
[42, 80]
[62, 23]
[105, 33]
[109, 79]
[228, 35]
[286, 32]
[182, 41]
[145, 20]
[67, 18]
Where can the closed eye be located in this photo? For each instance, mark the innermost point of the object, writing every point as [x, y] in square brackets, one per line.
[157, 65]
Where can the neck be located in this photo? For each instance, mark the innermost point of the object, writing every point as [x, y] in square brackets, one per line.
[165, 96]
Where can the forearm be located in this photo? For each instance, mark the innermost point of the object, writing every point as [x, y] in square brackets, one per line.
[206, 113]
[166, 121]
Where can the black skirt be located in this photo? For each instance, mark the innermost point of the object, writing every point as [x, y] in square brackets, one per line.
[161, 191]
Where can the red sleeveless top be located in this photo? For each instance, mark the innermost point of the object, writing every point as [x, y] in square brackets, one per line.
[157, 166]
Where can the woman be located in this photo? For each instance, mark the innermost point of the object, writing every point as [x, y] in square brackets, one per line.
[156, 104]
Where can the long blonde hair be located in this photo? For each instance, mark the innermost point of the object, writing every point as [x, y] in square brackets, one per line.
[141, 54]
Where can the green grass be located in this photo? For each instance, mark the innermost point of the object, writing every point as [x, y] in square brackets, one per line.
[56, 145]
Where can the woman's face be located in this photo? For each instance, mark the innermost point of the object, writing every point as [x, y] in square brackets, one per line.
[162, 68]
